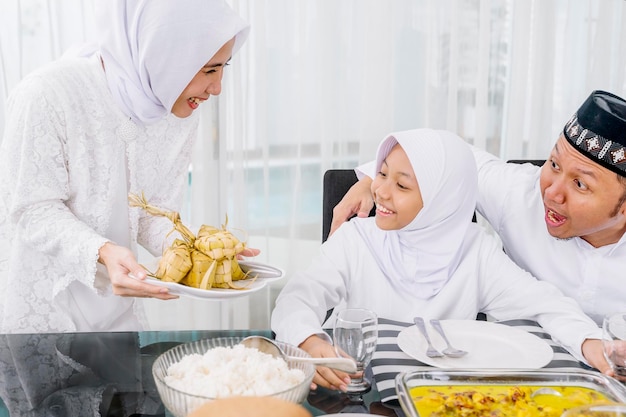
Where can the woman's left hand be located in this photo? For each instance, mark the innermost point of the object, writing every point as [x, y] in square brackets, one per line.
[248, 252]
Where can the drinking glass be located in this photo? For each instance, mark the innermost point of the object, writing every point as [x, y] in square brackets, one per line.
[614, 342]
[355, 335]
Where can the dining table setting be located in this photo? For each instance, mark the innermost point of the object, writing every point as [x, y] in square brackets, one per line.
[114, 373]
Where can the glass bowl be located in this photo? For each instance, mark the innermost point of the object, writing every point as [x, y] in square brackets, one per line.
[181, 403]
[608, 410]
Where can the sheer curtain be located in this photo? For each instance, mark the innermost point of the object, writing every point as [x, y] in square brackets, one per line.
[320, 82]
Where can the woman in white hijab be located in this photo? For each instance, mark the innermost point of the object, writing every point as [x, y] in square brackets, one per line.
[422, 256]
[83, 133]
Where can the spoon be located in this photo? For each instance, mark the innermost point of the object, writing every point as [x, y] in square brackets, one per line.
[431, 352]
[265, 345]
[449, 350]
[545, 391]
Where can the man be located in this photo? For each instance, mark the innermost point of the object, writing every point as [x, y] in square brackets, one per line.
[578, 197]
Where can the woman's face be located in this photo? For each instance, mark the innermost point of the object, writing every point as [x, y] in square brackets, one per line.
[396, 192]
[206, 83]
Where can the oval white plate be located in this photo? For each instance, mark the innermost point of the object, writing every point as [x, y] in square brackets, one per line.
[265, 274]
[489, 345]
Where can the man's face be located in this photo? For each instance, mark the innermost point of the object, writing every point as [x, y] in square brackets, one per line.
[580, 197]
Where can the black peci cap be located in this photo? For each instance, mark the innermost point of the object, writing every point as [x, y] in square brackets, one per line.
[598, 130]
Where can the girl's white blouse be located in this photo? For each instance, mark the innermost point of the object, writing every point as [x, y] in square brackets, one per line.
[68, 160]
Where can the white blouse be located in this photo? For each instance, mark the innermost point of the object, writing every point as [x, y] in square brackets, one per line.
[68, 160]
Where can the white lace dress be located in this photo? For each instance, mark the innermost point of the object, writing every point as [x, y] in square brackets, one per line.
[68, 160]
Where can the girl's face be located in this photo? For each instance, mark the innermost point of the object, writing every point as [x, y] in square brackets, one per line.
[206, 83]
[396, 192]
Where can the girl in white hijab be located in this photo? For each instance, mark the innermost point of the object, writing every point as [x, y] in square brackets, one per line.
[422, 256]
[83, 133]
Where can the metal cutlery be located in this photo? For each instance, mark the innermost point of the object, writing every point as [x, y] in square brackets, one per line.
[449, 350]
[265, 345]
[545, 391]
[260, 270]
[431, 352]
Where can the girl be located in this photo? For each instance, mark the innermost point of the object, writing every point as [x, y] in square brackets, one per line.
[422, 256]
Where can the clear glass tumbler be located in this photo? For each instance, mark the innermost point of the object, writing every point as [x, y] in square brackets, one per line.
[614, 342]
[355, 335]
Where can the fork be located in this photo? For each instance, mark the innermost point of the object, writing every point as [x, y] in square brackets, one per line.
[259, 269]
[449, 350]
[431, 352]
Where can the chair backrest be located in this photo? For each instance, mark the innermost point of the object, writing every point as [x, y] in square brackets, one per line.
[538, 162]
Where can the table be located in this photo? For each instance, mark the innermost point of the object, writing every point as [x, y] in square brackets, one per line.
[109, 374]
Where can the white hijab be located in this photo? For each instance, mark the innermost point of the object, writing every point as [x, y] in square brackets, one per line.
[422, 256]
[153, 48]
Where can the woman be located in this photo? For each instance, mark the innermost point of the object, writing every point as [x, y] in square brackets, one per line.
[422, 256]
[83, 133]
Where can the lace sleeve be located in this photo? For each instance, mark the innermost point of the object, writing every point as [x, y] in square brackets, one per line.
[37, 156]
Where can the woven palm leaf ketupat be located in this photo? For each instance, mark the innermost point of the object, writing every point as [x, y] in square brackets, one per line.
[206, 261]
[200, 267]
[220, 244]
[175, 263]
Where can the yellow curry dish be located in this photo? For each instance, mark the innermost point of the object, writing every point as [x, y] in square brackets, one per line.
[437, 392]
[500, 400]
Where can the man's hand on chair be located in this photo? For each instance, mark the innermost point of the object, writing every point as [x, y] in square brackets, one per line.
[357, 201]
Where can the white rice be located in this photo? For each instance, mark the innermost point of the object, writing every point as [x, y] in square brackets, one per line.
[229, 371]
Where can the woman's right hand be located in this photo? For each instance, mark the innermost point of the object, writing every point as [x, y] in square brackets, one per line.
[127, 276]
[325, 377]
[358, 200]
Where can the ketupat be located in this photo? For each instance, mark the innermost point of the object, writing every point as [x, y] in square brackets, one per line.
[175, 262]
[206, 261]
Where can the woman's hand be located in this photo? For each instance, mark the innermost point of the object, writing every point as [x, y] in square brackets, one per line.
[127, 276]
[248, 252]
[358, 200]
[325, 377]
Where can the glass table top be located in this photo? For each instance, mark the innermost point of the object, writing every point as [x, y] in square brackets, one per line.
[110, 374]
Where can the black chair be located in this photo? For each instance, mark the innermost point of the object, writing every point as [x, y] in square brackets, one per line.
[538, 162]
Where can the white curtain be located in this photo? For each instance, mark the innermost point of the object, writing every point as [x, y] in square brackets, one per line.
[320, 82]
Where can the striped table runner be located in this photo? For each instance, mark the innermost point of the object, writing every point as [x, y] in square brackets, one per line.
[389, 360]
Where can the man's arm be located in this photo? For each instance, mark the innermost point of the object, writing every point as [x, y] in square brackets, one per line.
[358, 200]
